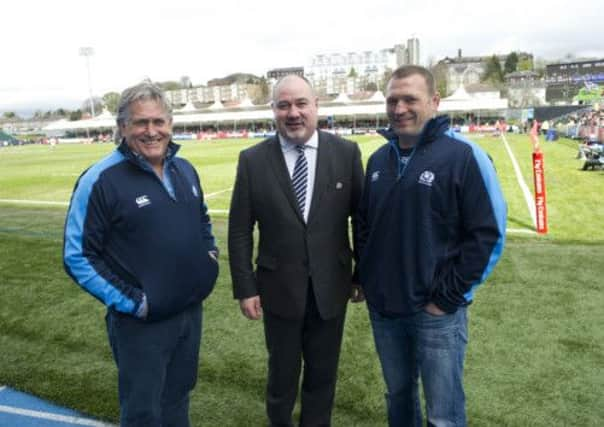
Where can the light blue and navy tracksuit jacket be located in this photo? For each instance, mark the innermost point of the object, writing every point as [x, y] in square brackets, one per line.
[430, 231]
[126, 236]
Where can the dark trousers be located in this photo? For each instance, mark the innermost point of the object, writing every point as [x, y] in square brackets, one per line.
[157, 367]
[317, 342]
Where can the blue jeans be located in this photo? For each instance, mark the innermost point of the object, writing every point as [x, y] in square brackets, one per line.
[423, 346]
[157, 366]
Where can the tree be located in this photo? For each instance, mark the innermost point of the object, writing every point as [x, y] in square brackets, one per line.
[264, 89]
[439, 71]
[511, 63]
[525, 64]
[493, 72]
[75, 115]
[539, 66]
[10, 115]
[98, 105]
[110, 100]
[185, 82]
[370, 87]
[169, 85]
[353, 73]
[385, 79]
[259, 92]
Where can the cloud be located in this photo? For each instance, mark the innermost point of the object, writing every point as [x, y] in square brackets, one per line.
[204, 40]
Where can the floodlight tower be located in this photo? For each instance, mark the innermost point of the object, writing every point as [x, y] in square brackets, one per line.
[87, 52]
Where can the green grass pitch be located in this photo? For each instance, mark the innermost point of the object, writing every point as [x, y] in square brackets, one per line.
[536, 351]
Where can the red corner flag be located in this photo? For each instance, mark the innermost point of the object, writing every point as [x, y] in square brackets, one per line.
[539, 181]
[535, 137]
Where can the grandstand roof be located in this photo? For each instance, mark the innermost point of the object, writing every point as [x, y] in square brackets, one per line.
[460, 94]
[189, 107]
[217, 113]
[217, 105]
[102, 121]
[246, 103]
[342, 99]
[461, 100]
[378, 96]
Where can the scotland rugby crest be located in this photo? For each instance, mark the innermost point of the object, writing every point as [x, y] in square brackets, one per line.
[426, 178]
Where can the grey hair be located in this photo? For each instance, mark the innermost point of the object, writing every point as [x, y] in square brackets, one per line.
[144, 91]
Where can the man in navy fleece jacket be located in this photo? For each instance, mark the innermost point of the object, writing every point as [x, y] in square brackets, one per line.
[138, 238]
[431, 229]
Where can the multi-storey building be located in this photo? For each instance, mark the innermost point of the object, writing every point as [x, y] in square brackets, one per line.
[467, 70]
[277, 73]
[525, 89]
[208, 94]
[348, 72]
[329, 74]
[564, 80]
[177, 97]
[412, 51]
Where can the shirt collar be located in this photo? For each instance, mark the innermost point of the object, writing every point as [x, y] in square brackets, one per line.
[286, 145]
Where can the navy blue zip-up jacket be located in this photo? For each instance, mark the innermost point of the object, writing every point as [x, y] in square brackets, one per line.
[430, 231]
[126, 237]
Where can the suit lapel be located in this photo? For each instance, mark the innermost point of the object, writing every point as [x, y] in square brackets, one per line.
[322, 175]
[277, 162]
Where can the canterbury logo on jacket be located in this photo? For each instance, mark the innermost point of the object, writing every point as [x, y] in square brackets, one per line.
[432, 227]
[126, 235]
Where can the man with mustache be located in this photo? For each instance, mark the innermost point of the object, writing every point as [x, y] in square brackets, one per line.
[138, 238]
[431, 229]
[300, 188]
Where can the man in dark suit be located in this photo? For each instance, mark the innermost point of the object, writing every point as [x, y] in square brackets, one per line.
[300, 188]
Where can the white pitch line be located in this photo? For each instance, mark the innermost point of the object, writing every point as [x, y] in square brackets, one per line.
[2, 387]
[34, 202]
[45, 202]
[521, 182]
[520, 230]
[53, 417]
[207, 196]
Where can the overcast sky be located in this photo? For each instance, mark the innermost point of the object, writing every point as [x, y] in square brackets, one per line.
[164, 40]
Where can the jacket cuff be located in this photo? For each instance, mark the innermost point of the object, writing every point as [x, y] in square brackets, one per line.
[444, 303]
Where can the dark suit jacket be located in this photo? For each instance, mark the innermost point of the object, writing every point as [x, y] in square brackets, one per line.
[289, 250]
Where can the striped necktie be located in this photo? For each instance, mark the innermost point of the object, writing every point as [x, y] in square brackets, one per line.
[300, 177]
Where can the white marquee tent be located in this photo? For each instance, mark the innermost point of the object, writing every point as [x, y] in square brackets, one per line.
[462, 102]
[459, 102]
